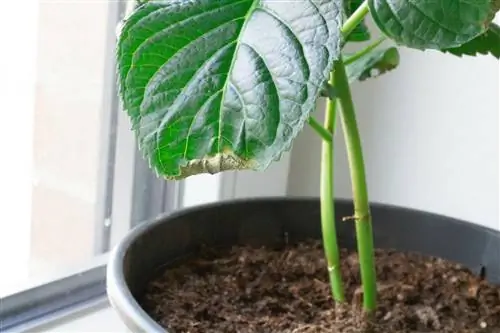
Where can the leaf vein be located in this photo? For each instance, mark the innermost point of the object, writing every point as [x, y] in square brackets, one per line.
[430, 18]
[298, 45]
[268, 68]
[242, 29]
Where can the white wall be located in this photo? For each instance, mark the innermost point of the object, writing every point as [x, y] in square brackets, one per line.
[17, 102]
[430, 134]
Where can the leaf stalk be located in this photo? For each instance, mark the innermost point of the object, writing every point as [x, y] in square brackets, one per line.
[353, 21]
[363, 52]
[322, 132]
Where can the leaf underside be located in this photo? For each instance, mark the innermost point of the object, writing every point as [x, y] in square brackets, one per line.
[373, 64]
[361, 32]
[487, 43]
[223, 85]
[431, 24]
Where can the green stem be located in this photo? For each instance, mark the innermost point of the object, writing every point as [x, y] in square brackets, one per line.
[362, 215]
[363, 52]
[327, 206]
[352, 22]
[315, 125]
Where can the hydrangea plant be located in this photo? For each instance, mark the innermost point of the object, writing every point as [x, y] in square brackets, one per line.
[216, 85]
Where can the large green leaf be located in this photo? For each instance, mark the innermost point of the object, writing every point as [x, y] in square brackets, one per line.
[361, 32]
[487, 43]
[432, 24]
[214, 85]
[373, 64]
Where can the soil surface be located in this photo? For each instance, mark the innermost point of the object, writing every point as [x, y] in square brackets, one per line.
[263, 290]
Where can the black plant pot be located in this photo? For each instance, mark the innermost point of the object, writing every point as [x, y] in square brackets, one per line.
[269, 221]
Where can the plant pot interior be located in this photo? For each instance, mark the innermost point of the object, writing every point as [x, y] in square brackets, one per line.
[204, 270]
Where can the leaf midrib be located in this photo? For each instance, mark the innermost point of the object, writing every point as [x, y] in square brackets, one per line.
[228, 79]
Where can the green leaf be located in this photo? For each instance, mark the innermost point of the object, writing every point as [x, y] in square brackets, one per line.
[373, 64]
[487, 43]
[495, 7]
[223, 85]
[432, 24]
[361, 32]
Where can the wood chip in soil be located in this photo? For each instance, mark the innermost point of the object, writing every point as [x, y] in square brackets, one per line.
[264, 290]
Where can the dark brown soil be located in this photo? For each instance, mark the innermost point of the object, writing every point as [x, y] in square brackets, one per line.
[286, 290]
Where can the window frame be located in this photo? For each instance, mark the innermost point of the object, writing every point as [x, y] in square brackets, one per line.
[52, 300]
[111, 135]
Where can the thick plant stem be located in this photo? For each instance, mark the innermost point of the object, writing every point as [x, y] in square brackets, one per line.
[327, 207]
[361, 216]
